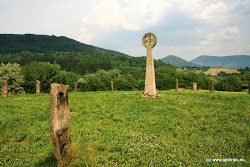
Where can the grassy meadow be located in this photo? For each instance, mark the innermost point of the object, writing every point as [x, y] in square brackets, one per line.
[182, 128]
[216, 71]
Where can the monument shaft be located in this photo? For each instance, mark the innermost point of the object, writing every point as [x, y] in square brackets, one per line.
[150, 86]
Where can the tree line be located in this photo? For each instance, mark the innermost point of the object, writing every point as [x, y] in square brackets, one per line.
[125, 74]
[50, 59]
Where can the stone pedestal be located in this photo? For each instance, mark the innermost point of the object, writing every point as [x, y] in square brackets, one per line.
[176, 86]
[4, 88]
[111, 86]
[195, 86]
[60, 120]
[149, 40]
[37, 86]
[212, 85]
[75, 86]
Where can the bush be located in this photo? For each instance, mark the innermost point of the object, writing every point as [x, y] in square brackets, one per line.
[91, 82]
[42, 71]
[231, 83]
[12, 73]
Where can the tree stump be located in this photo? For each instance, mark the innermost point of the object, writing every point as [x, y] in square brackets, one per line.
[248, 87]
[212, 85]
[37, 86]
[111, 86]
[60, 120]
[195, 86]
[4, 88]
[75, 86]
[176, 85]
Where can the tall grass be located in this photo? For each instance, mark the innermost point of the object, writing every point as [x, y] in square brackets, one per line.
[121, 128]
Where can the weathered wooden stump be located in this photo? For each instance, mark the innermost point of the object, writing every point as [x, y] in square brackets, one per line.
[111, 86]
[75, 86]
[60, 120]
[37, 86]
[176, 86]
[248, 87]
[212, 85]
[195, 86]
[4, 84]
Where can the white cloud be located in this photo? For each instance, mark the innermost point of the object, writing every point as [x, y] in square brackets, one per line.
[183, 28]
[231, 33]
[116, 15]
[228, 33]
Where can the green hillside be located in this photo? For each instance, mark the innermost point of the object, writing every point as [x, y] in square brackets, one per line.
[179, 62]
[122, 129]
[235, 61]
[14, 43]
[71, 55]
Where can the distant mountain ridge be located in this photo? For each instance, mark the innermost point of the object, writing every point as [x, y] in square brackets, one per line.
[16, 43]
[179, 62]
[234, 61]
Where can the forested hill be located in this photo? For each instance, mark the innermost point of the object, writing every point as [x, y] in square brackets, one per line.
[69, 54]
[235, 61]
[15, 43]
[179, 62]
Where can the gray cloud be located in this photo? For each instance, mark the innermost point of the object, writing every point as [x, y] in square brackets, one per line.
[184, 28]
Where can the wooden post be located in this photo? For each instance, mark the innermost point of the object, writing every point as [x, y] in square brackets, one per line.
[248, 87]
[4, 88]
[195, 86]
[75, 86]
[212, 85]
[176, 86]
[37, 86]
[59, 120]
[111, 85]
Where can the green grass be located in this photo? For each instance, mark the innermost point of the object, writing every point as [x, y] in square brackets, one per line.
[122, 129]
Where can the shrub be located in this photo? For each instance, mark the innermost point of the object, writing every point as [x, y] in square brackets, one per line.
[13, 74]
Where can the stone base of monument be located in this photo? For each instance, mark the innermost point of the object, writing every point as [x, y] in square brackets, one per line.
[154, 96]
[179, 89]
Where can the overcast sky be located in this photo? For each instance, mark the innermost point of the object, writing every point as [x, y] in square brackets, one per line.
[185, 28]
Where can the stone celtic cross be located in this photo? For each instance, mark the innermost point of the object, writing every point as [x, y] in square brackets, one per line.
[149, 40]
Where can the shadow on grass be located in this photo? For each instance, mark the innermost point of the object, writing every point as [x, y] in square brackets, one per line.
[51, 161]
[48, 161]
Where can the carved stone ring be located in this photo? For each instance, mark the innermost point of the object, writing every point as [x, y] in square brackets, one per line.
[149, 40]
